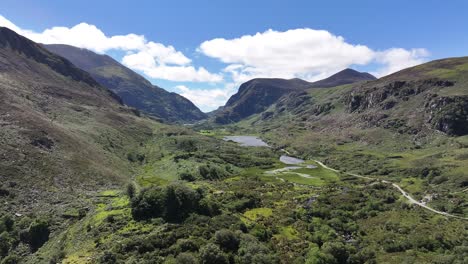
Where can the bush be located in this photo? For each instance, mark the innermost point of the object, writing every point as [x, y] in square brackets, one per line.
[187, 145]
[186, 176]
[6, 224]
[186, 258]
[108, 258]
[211, 254]
[38, 233]
[252, 251]
[11, 259]
[227, 240]
[173, 203]
[131, 190]
[180, 201]
[208, 207]
[211, 172]
[150, 203]
[4, 244]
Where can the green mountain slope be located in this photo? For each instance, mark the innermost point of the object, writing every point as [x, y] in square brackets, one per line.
[59, 127]
[257, 95]
[68, 147]
[134, 90]
[411, 126]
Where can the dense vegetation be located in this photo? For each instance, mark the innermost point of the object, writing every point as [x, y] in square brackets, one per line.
[88, 180]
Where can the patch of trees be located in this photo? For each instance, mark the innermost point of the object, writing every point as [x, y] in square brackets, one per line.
[32, 232]
[173, 203]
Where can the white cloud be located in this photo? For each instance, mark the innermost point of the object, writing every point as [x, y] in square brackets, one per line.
[155, 59]
[297, 53]
[396, 59]
[304, 53]
[207, 99]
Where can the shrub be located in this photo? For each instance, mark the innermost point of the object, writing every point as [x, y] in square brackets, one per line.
[211, 172]
[187, 145]
[180, 201]
[173, 202]
[131, 190]
[108, 258]
[6, 224]
[150, 203]
[11, 259]
[211, 254]
[186, 176]
[227, 240]
[4, 244]
[186, 258]
[38, 233]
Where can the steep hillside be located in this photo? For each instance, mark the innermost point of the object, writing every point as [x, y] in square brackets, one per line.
[60, 130]
[134, 90]
[257, 95]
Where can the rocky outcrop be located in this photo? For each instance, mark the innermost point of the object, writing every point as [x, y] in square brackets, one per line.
[387, 96]
[448, 114]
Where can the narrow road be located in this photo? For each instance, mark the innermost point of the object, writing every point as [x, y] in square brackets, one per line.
[405, 194]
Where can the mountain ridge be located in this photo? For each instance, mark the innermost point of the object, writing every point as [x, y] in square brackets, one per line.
[258, 94]
[134, 89]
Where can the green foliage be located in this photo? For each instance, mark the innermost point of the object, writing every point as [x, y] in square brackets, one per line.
[212, 172]
[11, 259]
[187, 145]
[187, 176]
[107, 258]
[38, 233]
[131, 190]
[227, 240]
[173, 202]
[186, 258]
[211, 254]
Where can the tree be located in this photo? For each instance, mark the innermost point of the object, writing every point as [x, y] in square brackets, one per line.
[38, 233]
[4, 244]
[131, 190]
[150, 203]
[211, 254]
[181, 200]
[227, 240]
[186, 258]
[186, 176]
[108, 258]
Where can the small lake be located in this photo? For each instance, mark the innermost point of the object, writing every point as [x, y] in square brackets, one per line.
[247, 141]
[290, 160]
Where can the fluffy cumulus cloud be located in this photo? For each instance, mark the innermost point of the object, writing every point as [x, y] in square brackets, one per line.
[305, 53]
[297, 53]
[207, 99]
[397, 59]
[154, 59]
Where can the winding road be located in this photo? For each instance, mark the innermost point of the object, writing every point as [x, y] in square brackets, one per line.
[405, 194]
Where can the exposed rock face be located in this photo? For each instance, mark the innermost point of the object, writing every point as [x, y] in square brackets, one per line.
[389, 95]
[449, 114]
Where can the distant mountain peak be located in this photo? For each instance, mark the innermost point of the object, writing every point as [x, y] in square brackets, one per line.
[345, 76]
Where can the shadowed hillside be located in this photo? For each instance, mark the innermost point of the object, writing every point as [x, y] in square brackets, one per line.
[134, 90]
[257, 95]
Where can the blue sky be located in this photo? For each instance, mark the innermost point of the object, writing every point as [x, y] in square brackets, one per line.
[205, 49]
